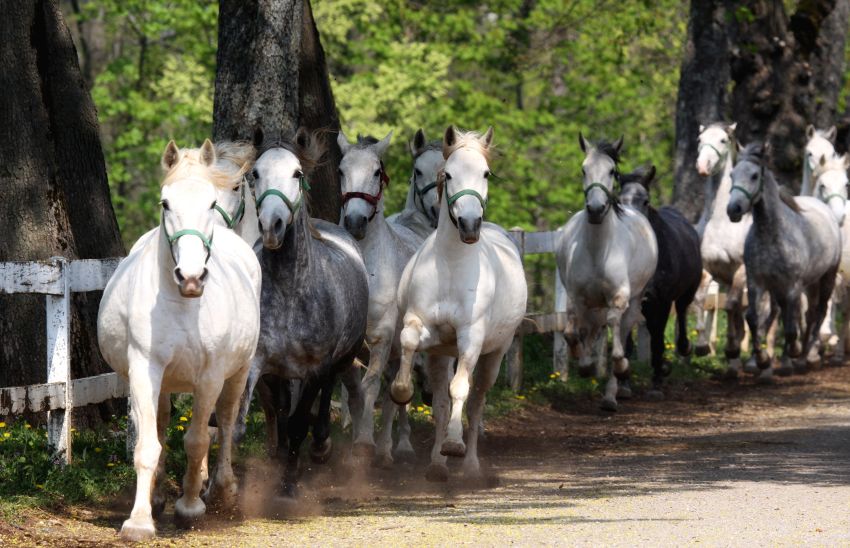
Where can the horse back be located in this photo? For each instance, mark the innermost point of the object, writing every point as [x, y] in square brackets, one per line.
[679, 267]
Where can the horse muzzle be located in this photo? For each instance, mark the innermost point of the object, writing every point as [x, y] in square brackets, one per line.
[735, 212]
[273, 235]
[596, 213]
[469, 229]
[190, 287]
[355, 225]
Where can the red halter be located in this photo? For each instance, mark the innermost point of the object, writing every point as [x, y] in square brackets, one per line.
[372, 199]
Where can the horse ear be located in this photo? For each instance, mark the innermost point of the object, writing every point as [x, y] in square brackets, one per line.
[258, 137]
[581, 141]
[170, 155]
[810, 131]
[488, 137]
[208, 153]
[418, 142]
[740, 146]
[846, 159]
[730, 129]
[830, 134]
[302, 138]
[618, 144]
[822, 161]
[449, 139]
[382, 145]
[701, 128]
[648, 177]
[343, 143]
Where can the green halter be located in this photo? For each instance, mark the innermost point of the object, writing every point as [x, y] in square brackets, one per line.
[172, 238]
[231, 222]
[417, 192]
[293, 206]
[751, 196]
[450, 200]
[721, 157]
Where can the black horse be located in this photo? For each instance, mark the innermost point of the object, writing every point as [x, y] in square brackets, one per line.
[677, 275]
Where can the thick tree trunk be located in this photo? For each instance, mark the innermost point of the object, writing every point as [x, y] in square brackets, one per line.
[702, 96]
[828, 64]
[272, 75]
[54, 196]
[775, 95]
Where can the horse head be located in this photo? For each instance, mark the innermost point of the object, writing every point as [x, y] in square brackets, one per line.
[362, 180]
[715, 147]
[831, 183]
[599, 176]
[464, 179]
[747, 181]
[635, 189]
[427, 163]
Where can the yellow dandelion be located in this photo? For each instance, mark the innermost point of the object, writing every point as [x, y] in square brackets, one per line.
[520, 397]
[427, 411]
[110, 464]
[39, 486]
[553, 376]
[2, 425]
[27, 425]
[7, 435]
[594, 382]
[419, 408]
[189, 413]
[180, 427]
[97, 449]
[184, 419]
[557, 373]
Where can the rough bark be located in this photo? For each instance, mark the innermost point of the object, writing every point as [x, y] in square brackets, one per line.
[772, 67]
[828, 63]
[702, 96]
[54, 196]
[272, 74]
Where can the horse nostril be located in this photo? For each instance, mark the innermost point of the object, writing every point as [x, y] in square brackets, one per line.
[204, 274]
[278, 225]
[178, 275]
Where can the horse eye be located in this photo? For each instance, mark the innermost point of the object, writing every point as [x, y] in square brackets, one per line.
[486, 174]
[212, 205]
[298, 174]
[417, 172]
[255, 174]
[378, 172]
[724, 141]
[164, 204]
[611, 173]
[448, 177]
[236, 188]
[753, 177]
[339, 172]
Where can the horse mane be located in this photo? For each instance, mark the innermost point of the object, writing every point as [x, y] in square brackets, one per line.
[365, 141]
[189, 165]
[636, 176]
[467, 139]
[788, 199]
[431, 145]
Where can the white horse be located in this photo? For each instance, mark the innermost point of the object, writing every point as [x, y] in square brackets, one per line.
[722, 244]
[386, 249]
[234, 204]
[182, 314]
[819, 146]
[422, 208]
[463, 294]
[606, 256]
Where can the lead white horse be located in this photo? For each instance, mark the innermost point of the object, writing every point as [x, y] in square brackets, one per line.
[463, 294]
[386, 249]
[422, 207]
[606, 256]
[819, 147]
[182, 314]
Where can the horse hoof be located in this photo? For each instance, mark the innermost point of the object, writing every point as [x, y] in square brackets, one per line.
[585, 371]
[687, 351]
[800, 368]
[137, 531]
[608, 404]
[765, 379]
[401, 394]
[157, 506]
[289, 490]
[751, 368]
[437, 473]
[624, 392]
[451, 448]
[404, 456]
[188, 516]
[836, 361]
[730, 374]
[363, 449]
[785, 370]
[322, 453]
[655, 395]
[702, 350]
[384, 462]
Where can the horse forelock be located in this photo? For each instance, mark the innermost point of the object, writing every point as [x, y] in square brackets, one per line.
[467, 139]
[609, 150]
[190, 165]
[309, 156]
[431, 145]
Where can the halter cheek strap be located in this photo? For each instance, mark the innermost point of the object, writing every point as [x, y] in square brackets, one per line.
[610, 197]
[420, 193]
[172, 239]
[231, 222]
[371, 199]
[752, 197]
[293, 206]
[721, 158]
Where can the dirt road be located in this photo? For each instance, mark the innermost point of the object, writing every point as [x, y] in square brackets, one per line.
[714, 464]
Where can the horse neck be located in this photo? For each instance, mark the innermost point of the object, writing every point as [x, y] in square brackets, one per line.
[766, 212]
[377, 227]
[724, 188]
[248, 226]
[410, 201]
[296, 242]
[166, 266]
[602, 235]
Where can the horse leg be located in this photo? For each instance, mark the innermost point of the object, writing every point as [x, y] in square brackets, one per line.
[683, 343]
[404, 449]
[789, 305]
[656, 315]
[364, 442]
[413, 335]
[296, 431]
[245, 401]
[349, 374]
[383, 454]
[486, 373]
[735, 323]
[320, 448]
[702, 347]
[145, 383]
[628, 321]
[269, 402]
[163, 417]
[439, 369]
[821, 304]
[223, 486]
[619, 364]
[469, 346]
[196, 442]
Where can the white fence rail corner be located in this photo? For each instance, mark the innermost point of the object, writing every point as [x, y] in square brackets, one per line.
[58, 278]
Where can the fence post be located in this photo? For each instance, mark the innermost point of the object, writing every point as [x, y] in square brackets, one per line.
[59, 363]
[560, 352]
[514, 355]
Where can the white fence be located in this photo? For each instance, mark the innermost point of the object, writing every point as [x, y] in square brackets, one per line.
[58, 279]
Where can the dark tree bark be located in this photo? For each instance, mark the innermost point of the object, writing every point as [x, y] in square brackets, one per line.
[54, 196]
[828, 64]
[702, 96]
[774, 98]
[272, 75]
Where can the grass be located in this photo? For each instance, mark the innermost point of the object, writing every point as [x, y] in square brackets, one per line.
[30, 477]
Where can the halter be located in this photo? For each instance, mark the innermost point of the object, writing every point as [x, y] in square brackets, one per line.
[293, 206]
[829, 197]
[371, 199]
[721, 157]
[610, 197]
[172, 238]
[231, 222]
[421, 194]
[450, 200]
[751, 197]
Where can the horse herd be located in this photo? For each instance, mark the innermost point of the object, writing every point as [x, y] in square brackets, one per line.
[239, 290]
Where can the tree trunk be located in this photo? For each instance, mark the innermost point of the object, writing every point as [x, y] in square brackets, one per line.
[775, 95]
[828, 64]
[272, 75]
[702, 96]
[54, 196]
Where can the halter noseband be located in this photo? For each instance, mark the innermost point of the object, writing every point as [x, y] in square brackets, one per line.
[172, 238]
[293, 206]
[751, 196]
[231, 222]
[610, 197]
[371, 199]
[450, 200]
[721, 158]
